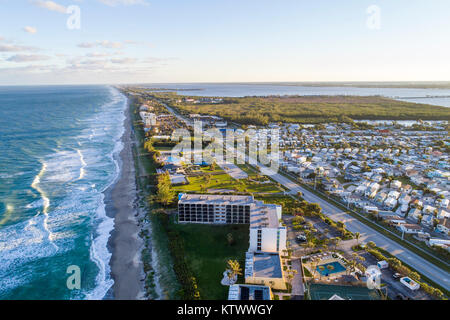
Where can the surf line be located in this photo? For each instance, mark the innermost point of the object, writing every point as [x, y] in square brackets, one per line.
[83, 165]
[46, 202]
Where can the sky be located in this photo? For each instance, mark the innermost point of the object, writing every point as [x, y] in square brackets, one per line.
[175, 41]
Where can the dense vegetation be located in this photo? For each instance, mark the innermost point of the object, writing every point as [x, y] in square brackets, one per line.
[314, 109]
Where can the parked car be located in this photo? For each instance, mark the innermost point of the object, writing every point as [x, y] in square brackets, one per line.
[396, 276]
[300, 238]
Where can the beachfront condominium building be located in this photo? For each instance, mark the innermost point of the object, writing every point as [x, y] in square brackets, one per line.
[267, 234]
[214, 209]
[263, 264]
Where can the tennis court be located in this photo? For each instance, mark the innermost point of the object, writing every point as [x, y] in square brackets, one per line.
[325, 292]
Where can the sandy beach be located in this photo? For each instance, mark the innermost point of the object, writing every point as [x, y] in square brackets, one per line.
[125, 243]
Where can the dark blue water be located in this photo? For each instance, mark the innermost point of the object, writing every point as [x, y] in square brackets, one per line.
[57, 146]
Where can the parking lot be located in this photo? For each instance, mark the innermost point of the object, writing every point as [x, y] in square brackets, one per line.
[394, 286]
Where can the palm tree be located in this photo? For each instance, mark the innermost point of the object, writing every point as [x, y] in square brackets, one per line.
[321, 268]
[290, 276]
[352, 266]
[337, 241]
[357, 236]
[330, 268]
[234, 269]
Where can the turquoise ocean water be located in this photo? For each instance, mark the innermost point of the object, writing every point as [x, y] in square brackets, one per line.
[58, 147]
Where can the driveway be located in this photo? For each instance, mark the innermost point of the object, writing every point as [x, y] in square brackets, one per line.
[298, 290]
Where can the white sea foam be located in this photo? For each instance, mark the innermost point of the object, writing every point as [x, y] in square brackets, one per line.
[99, 252]
[70, 186]
[83, 164]
[100, 255]
[46, 202]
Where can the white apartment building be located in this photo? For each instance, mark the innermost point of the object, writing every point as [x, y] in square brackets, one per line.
[267, 234]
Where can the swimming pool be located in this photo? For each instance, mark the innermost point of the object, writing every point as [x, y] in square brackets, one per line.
[336, 268]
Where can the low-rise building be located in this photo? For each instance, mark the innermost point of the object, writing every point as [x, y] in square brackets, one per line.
[409, 228]
[249, 292]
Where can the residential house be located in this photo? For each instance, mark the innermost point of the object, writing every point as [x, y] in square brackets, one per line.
[390, 203]
[409, 228]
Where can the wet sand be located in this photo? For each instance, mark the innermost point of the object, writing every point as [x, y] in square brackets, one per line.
[125, 243]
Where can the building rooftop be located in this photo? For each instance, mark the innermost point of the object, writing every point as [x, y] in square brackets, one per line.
[264, 265]
[216, 199]
[248, 292]
[265, 216]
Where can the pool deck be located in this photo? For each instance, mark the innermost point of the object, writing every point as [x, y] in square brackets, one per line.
[328, 274]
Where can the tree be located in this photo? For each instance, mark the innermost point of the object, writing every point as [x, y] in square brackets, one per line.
[330, 268]
[357, 236]
[299, 211]
[321, 268]
[419, 219]
[230, 239]
[165, 194]
[314, 208]
[435, 223]
[213, 165]
[234, 269]
[290, 276]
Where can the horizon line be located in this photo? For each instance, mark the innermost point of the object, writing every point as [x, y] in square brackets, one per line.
[240, 82]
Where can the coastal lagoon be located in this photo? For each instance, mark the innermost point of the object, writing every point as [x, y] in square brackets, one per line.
[439, 97]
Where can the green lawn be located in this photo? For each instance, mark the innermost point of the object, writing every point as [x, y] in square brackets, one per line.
[221, 180]
[207, 252]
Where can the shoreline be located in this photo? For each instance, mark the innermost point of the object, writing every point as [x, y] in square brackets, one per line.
[124, 243]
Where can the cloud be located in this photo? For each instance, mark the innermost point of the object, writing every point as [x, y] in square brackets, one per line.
[50, 5]
[97, 55]
[27, 58]
[114, 3]
[29, 29]
[124, 61]
[104, 44]
[15, 48]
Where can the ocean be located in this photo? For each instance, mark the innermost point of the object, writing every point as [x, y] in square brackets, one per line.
[58, 154]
